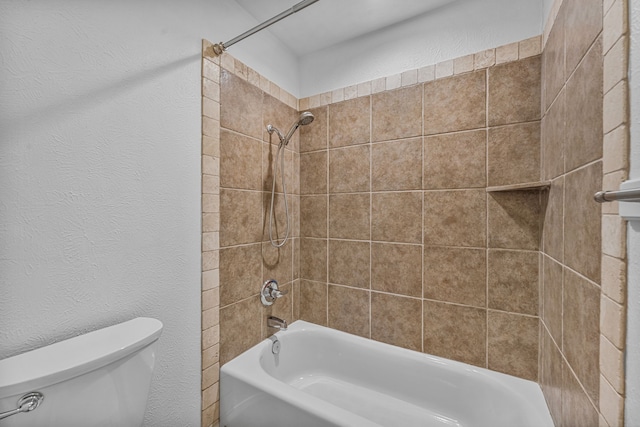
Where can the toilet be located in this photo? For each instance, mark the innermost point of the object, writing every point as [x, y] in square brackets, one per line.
[99, 379]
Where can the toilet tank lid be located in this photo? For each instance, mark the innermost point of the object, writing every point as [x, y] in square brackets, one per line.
[75, 356]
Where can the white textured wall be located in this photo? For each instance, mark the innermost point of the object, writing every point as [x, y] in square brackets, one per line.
[632, 404]
[457, 29]
[100, 174]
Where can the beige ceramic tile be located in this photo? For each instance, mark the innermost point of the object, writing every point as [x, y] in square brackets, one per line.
[351, 92]
[454, 104]
[455, 160]
[409, 78]
[314, 213]
[551, 376]
[337, 95]
[242, 105]
[313, 259]
[444, 69]
[210, 108]
[612, 318]
[211, 90]
[553, 60]
[513, 344]
[241, 217]
[553, 138]
[239, 327]
[514, 92]
[313, 173]
[397, 114]
[507, 53]
[396, 268]
[210, 129]
[397, 165]
[211, 221]
[513, 281]
[615, 150]
[611, 404]
[426, 74]
[615, 23]
[484, 59]
[530, 47]
[240, 273]
[552, 297]
[463, 64]
[584, 124]
[455, 218]
[614, 277]
[378, 85]
[349, 169]
[313, 302]
[514, 221]
[553, 221]
[396, 217]
[239, 160]
[582, 25]
[581, 329]
[349, 263]
[514, 154]
[349, 122]
[349, 216]
[349, 310]
[612, 364]
[457, 275]
[615, 111]
[616, 64]
[455, 332]
[393, 82]
[313, 137]
[396, 320]
[613, 236]
[577, 410]
[582, 245]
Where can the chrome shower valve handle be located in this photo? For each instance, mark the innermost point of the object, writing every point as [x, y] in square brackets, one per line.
[270, 292]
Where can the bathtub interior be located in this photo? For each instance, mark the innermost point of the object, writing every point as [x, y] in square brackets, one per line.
[387, 385]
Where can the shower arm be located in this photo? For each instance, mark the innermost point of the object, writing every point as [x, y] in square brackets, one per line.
[219, 48]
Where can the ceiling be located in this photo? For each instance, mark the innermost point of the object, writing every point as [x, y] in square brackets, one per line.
[330, 22]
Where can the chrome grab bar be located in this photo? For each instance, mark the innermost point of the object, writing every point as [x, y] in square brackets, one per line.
[611, 196]
[27, 403]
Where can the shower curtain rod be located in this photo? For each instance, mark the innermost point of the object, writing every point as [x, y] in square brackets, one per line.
[219, 48]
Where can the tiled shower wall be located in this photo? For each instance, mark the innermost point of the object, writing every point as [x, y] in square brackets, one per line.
[583, 251]
[247, 159]
[400, 240]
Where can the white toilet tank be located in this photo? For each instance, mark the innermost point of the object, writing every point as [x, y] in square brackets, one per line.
[100, 379]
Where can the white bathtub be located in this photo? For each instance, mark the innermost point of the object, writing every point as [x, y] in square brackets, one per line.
[323, 377]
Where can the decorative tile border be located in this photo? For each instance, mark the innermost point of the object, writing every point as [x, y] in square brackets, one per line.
[210, 237]
[615, 163]
[465, 64]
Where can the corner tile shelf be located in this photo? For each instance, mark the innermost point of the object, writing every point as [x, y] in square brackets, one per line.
[526, 186]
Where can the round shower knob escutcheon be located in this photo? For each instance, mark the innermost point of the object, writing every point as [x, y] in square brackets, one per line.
[270, 292]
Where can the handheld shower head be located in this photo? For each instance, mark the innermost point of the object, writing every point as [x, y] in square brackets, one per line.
[304, 119]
